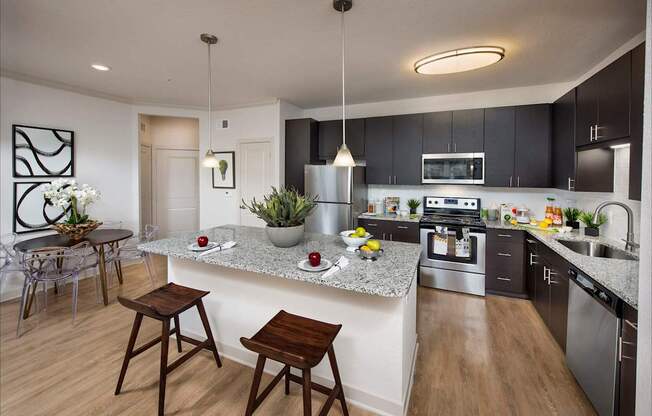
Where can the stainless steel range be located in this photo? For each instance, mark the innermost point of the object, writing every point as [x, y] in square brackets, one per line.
[453, 239]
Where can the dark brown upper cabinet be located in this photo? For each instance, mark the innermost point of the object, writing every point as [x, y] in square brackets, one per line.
[330, 138]
[532, 148]
[603, 104]
[468, 131]
[437, 132]
[407, 145]
[499, 146]
[301, 148]
[636, 149]
[379, 150]
[563, 142]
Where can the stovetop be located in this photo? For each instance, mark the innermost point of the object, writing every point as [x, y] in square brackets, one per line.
[451, 211]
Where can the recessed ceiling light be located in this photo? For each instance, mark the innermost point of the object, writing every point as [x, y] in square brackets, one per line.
[100, 67]
[459, 60]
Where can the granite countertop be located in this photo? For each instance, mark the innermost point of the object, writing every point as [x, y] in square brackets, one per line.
[390, 217]
[389, 276]
[619, 276]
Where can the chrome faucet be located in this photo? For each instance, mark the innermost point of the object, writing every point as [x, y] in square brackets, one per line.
[629, 241]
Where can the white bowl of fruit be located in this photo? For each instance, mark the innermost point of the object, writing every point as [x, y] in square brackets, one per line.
[370, 251]
[355, 238]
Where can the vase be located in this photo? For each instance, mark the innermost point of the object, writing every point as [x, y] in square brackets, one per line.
[575, 225]
[413, 211]
[592, 232]
[76, 232]
[285, 236]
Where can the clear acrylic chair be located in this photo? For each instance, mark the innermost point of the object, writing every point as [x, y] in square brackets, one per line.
[56, 265]
[10, 259]
[129, 252]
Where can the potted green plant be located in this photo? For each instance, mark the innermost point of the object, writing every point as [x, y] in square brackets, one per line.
[285, 212]
[572, 215]
[592, 226]
[413, 204]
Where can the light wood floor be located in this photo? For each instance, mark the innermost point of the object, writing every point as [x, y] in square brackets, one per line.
[477, 356]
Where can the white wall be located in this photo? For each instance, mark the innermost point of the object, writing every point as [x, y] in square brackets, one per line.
[172, 132]
[103, 150]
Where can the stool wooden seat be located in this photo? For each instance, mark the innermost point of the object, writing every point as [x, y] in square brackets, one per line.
[296, 342]
[164, 304]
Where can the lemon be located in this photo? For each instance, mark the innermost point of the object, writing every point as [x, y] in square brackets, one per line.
[365, 248]
[361, 231]
[373, 245]
[548, 221]
[543, 224]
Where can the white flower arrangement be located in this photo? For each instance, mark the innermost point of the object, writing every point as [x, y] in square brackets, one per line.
[64, 193]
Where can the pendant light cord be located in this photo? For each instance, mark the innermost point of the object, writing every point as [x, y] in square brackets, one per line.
[343, 95]
[210, 89]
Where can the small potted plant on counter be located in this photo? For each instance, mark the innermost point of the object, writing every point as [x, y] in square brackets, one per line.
[73, 200]
[592, 226]
[572, 215]
[413, 204]
[284, 211]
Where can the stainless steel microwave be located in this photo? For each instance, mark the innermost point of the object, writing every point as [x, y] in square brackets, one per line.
[453, 168]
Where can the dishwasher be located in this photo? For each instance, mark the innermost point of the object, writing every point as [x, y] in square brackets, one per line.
[592, 341]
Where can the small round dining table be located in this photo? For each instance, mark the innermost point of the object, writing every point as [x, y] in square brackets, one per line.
[98, 239]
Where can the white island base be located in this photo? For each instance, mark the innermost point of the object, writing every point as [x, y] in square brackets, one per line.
[375, 349]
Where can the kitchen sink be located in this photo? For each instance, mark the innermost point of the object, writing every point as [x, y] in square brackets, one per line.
[595, 249]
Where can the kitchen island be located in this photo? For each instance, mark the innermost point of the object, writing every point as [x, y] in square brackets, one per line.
[374, 301]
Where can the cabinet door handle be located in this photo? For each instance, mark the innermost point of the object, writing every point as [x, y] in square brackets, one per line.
[552, 282]
[518, 181]
[371, 224]
[510, 181]
[454, 147]
[391, 237]
[390, 179]
[530, 241]
[532, 256]
[505, 254]
[504, 235]
[507, 279]
[595, 133]
[402, 227]
[448, 147]
[591, 134]
[571, 187]
[632, 324]
[384, 236]
[546, 276]
[394, 179]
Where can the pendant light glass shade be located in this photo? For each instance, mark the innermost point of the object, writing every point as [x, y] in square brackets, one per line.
[210, 161]
[344, 157]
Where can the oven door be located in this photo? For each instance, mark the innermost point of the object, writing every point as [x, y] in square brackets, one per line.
[473, 263]
[462, 168]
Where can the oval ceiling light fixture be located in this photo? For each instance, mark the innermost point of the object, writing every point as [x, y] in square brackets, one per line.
[459, 60]
[100, 67]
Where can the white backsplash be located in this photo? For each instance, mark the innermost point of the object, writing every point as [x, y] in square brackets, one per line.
[534, 199]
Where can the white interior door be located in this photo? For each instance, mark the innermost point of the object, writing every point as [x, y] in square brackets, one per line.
[146, 216]
[177, 190]
[256, 176]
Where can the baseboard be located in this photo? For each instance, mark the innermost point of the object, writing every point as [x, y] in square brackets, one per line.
[354, 396]
[406, 399]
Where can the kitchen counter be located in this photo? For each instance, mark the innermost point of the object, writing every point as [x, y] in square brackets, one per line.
[390, 217]
[389, 276]
[375, 302]
[619, 276]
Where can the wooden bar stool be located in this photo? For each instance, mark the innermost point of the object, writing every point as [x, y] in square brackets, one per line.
[296, 342]
[164, 304]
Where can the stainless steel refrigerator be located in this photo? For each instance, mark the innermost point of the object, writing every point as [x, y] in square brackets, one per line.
[341, 196]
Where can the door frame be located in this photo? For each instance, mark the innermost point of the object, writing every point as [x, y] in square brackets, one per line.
[155, 150]
[140, 185]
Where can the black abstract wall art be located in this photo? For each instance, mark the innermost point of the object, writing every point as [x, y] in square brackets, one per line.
[31, 211]
[40, 152]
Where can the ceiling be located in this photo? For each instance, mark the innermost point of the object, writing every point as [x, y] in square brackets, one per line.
[290, 49]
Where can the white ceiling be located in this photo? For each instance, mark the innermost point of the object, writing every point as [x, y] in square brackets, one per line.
[290, 49]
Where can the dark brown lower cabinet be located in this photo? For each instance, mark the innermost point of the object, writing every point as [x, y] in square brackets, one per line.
[551, 293]
[627, 386]
[390, 230]
[505, 268]
[532, 265]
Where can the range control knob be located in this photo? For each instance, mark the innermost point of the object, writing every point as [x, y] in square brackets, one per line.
[466, 204]
[603, 297]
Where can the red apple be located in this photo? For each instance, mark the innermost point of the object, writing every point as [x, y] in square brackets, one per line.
[314, 258]
[202, 241]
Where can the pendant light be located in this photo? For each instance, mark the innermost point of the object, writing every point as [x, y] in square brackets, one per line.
[210, 161]
[343, 157]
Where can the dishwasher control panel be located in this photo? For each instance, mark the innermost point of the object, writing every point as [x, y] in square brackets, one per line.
[602, 295]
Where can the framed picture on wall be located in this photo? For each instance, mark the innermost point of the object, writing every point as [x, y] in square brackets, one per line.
[40, 152]
[224, 173]
[31, 211]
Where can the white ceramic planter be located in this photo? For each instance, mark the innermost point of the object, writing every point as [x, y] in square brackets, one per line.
[285, 236]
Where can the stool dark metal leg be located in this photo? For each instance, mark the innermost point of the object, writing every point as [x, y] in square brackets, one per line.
[130, 349]
[307, 404]
[165, 339]
[338, 381]
[178, 331]
[209, 334]
[258, 374]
